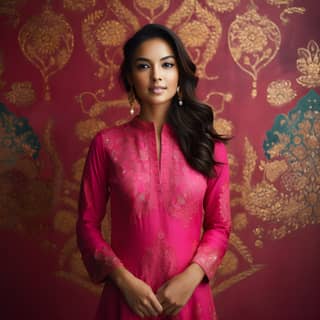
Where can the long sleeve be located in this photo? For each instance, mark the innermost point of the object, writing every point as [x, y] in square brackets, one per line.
[217, 217]
[97, 254]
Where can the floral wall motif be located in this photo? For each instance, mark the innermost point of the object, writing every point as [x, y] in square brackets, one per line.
[259, 68]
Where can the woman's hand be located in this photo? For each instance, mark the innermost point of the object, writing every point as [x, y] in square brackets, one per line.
[176, 292]
[138, 294]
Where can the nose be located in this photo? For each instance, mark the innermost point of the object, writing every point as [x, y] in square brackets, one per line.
[156, 74]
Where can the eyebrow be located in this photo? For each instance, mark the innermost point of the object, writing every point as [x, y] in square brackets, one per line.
[146, 59]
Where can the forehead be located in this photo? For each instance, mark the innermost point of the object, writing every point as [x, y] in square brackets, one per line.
[153, 49]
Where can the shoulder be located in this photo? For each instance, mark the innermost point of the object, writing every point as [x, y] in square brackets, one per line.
[108, 134]
[220, 152]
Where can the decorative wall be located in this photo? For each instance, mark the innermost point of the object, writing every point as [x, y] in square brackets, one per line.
[259, 65]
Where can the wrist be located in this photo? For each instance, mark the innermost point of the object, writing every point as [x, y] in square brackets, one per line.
[195, 272]
[120, 276]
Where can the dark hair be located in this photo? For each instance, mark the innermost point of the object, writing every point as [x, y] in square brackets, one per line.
[192, 122]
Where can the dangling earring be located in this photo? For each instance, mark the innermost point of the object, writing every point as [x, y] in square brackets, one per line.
[180, 101]
[131, 99]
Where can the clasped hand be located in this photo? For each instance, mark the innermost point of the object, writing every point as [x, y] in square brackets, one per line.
[169, 298]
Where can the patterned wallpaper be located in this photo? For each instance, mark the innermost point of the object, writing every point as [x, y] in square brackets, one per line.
[259, 66]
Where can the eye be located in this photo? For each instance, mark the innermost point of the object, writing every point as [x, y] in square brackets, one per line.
[142, 66]
[168, 65]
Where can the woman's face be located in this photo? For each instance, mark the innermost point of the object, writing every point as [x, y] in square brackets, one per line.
[154, 74]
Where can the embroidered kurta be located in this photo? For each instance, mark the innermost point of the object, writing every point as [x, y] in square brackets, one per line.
[164, 215]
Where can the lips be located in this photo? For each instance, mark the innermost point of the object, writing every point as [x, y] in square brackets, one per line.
[157, 89]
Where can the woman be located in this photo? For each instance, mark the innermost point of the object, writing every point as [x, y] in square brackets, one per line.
[166, 174]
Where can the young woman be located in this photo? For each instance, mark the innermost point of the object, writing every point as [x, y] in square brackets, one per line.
[166, 174]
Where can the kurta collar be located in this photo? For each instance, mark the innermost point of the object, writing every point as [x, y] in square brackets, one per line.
[148, 125]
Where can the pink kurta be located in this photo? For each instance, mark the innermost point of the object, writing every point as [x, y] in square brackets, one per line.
[157, 210]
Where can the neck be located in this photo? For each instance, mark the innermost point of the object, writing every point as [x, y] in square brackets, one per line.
[155, 115]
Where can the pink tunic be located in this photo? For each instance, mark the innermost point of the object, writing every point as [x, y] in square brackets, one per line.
[158, 208]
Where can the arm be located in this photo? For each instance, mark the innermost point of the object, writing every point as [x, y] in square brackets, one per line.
[217, 218]
[97, 254]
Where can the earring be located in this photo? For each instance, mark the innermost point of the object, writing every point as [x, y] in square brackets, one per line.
[180, 101]
[131, 99]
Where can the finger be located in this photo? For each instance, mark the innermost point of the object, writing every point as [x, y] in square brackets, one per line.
[170, 310]
[139, 313]
[148, 309]
[156, 305]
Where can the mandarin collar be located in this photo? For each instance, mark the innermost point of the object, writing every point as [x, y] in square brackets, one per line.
[148, 125]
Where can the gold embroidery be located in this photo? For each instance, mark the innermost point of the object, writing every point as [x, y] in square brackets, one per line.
[64, 221]
[156, 8]
[253, 41]
[237, 278]
[280, 92]
[308, 64]
[22, 94]
[78, 5]
[47, 42]
[87, 129]
[240, 221]
[102, 36]
[229, 264]
[207, 42]
[223, 5]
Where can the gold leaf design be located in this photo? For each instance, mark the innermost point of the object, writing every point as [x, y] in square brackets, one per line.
[229, 264]
[223, 127]
[187, 20]
[78, 5]
[280, 92]
[102, 36]
[279, 3]
[155, 8]
[273, 169]
[253, 41]
[47, 42]
[64, 221]
[308, 64]
[223, 5]
[87, 129]
[22, 94]
[99, 105]
[240, 221]
[250, 163]
[77, 169]
[241, 248]
[288, 10]
[237, 278]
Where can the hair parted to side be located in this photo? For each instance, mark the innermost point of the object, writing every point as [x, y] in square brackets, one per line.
[192, 123]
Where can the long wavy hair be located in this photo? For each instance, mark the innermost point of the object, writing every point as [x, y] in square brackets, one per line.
[192, 122]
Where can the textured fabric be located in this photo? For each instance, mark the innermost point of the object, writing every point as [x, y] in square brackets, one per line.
[158, 208]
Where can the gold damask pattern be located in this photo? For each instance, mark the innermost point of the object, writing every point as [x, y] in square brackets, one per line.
[288, 194]
[78, 5]
[200, 30]
[253, 41]
[47, 42]
[308, 64]
[22, 94]
[280, 92]
[282, 192]
[223, 5]
[103, 32]
[288, 10]
[151, 10]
